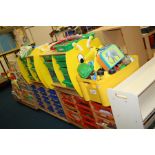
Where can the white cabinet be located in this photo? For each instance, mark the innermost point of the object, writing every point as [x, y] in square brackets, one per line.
[133, 100]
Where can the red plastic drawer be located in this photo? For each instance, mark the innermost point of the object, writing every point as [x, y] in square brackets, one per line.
[106, 116]
[74, 115]
[105, 122]
[80, 106]
[87, 118]
[97, 106]
[90, 125]
[70, 108]
[81, 101]
[70, 103]
[66, 96]
[86, 113]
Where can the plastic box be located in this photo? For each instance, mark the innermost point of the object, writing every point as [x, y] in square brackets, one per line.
[96, 90]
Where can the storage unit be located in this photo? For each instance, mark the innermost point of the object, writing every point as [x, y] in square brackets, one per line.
[128, 38]
[132, 101]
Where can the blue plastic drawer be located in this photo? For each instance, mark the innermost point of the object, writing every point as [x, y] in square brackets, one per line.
[47, 102]
[33, 86]
[51, 91]
[45, 97]
[41, 89]
[50, 108]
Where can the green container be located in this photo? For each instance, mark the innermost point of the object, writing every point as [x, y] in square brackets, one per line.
[64, 70]
[62, 64]
[68, 83]
[64, 47]
[47, 58]
[60, 58]
[31, 77]
[48, 64]
[32, 68]
[54, 78]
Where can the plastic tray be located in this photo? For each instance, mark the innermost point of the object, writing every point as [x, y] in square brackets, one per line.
[49, 64]
[62, 64]
[68, 83]
[60, 57]
[64, 70]
[64, 47]
[47, 58]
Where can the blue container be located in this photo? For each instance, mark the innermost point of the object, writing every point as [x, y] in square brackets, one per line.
[45, 97]
[33, 86]
[41, 89]
[51, 91]
[50, 108]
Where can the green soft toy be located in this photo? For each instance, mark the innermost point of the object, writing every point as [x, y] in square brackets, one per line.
[85, 70]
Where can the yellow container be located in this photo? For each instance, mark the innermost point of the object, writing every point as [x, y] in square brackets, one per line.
[96, 90]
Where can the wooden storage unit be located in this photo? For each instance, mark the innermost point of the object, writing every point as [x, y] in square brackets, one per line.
[128, 38]
[133, 100]
[150, 51]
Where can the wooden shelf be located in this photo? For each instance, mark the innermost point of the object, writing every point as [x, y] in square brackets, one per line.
[148, 34]
[13, 50]
[107, 28]
[53, 114]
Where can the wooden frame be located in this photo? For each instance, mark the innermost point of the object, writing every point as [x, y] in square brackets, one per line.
[128, 38]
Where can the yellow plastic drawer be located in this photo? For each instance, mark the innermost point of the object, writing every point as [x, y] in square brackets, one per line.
[97, 90]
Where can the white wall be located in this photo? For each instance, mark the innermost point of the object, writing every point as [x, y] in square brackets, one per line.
[39, 34]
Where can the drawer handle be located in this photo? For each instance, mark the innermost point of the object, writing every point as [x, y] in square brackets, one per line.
[121, 96]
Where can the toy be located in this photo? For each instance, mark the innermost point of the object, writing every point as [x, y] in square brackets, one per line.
[109, 56]
[85, 70]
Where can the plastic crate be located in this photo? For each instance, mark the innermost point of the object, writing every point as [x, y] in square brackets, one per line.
[62, 64]
[89, 125]
[98, 107]
[50, 108]
[60, 57]
[96, 90]
[49, 65]
[64, 47]
[47, 58]
[68, 83]
[64, 70]
[52, 91]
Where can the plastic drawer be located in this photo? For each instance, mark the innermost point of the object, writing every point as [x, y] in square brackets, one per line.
[49, 65]
[88, 119]
[50, 108]
[98, 106]
[86, 113]
[51, 91]
[66, 101]
[66, 96]
[60, 57]
[80, 100]
[89, 125]
[105, 122]
[47, 58]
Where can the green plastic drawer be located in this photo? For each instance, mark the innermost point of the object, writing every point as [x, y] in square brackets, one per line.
[68, 83]
[48, 64]
[62, 64]
[64, 47]
[60, 58]
[47, 58]
[64, 70]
